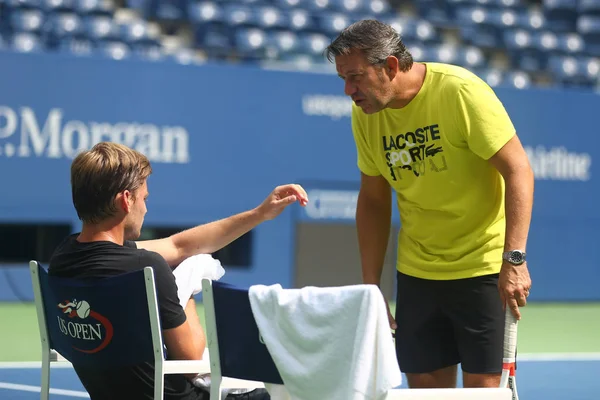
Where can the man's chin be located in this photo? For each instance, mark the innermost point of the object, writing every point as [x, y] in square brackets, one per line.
[368, 108]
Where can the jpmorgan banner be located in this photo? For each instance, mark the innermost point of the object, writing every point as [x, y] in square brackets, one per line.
[221, 137]
[25, 134]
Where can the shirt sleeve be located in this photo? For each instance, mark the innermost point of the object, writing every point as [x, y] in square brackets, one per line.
[170, 311]
[484, 122]
[365, 161]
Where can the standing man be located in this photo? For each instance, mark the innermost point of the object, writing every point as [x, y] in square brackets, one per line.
[109, 190]
[440, 138]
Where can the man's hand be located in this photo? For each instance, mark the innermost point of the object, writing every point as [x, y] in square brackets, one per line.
[391, 319]
[514, 284]
[280, 198]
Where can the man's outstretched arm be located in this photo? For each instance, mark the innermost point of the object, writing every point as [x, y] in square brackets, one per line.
[210, 237]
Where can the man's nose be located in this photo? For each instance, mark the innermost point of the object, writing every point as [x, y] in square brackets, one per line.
[349, 88]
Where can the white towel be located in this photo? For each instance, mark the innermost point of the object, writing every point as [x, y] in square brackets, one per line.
[328, 343]
[191, 271]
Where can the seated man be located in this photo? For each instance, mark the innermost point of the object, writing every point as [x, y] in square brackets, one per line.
[109, 193]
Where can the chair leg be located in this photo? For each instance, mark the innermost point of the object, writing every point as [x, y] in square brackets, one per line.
[45, 392]
[159, 383]
[215, 387]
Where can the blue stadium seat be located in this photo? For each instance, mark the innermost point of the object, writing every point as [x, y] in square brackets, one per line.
[591, 7]
[137, 32]
[148, 51]
[512, 4]
[525, 49]
[518, 39]
[478, 26]
[469, 57]
[215, 40]
[284, 42]
[485, 37]
[93, 7]
[24, 3]
[438, 13]
[331, 23]
[269, 17]
[505, 19]
[115, 50]
[545, 41]
[413, 30]
[186, 56]
[532, 20]
[205, 12]
[313, 44]
[64, 25]
[251, 43]
[560, 14]
[517, 80]
[318, 6]
[76, 46]
[238, 15]
[101, 28]
[289, 4]
[588, 27]
[571, 43]
[492, 77]
[574, 71]
[27, 42]
[419, 52]
[377, 7]
[28, 20]
[59, 5]
[300, 20]
[349, 6]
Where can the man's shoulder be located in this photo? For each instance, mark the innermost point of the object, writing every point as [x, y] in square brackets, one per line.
[452, 76]
[101, 258]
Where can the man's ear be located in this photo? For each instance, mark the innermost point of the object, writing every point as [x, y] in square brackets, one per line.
[124, 200]
[391, 67]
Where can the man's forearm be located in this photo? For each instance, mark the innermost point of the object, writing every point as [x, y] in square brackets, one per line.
[213, 236]
[373, 221]
[518, 206]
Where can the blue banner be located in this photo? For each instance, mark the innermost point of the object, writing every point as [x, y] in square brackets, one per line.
[221, 137]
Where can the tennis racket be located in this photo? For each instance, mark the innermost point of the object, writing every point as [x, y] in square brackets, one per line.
[510, 353]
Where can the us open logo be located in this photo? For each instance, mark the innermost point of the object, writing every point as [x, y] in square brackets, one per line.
[92, 334]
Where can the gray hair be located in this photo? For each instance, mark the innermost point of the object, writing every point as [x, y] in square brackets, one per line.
[376, 40]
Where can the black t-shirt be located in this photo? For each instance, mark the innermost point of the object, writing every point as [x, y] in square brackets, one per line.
[102, 259]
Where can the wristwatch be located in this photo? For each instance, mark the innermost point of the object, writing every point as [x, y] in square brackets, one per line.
[515, 257]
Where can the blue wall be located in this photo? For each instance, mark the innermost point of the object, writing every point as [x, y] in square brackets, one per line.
[221, 137]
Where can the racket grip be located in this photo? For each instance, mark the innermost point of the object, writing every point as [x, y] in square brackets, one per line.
[510, 336]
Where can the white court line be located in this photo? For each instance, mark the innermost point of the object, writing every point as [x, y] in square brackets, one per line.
[526, 357]
[558, 357]
[33, 364]
[37, 389]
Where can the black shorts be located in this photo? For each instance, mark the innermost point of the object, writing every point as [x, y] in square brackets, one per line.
[444, 323]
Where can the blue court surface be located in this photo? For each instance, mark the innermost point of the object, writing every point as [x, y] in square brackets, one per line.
[539, 377]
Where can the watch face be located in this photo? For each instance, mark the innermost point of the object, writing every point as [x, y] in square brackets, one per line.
[516, 257]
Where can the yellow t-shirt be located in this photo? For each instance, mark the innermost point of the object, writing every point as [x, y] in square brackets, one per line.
[434, 154]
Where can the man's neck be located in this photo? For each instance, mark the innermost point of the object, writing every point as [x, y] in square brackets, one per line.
[410, 84]
[99, 233]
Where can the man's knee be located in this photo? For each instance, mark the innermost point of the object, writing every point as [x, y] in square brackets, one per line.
[441, 378]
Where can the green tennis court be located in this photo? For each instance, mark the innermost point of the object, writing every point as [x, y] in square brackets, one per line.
[545, 328]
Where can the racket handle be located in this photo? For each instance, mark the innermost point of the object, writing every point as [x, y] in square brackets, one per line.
[510, 336]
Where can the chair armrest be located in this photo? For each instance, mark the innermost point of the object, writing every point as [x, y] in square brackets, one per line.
[463, 394]
[186, 366]
[203, 367]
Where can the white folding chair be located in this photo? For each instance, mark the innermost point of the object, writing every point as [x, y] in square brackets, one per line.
[79, 322]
